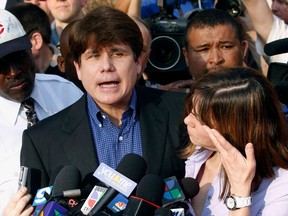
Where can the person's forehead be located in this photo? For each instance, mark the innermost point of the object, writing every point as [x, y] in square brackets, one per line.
[225, 30]
[219, 27]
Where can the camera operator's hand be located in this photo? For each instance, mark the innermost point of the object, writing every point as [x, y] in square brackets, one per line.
[179, 85]
[18, 204]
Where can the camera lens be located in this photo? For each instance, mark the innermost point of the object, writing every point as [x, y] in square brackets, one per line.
[233, 7]
[165, 53]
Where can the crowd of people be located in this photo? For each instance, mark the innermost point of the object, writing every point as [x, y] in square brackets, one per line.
[83, 66]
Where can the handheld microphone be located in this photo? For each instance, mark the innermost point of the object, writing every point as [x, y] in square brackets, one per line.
[95, 195]
[68, 178]
[72, 193]
[173, 191]
[190, 188]
[117, 205]
[132, 166]
[276, 47]
[148, 197]
[163, 212]
[51, 208]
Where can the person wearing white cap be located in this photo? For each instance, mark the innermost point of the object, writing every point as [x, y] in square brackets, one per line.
[19, 82]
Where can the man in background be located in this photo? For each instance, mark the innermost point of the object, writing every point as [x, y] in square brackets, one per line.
[64, 12]
[25, 97]
[39, 33]
[213, 40]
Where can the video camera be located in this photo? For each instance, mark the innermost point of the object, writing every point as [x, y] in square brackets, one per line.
[278, 72]
[166, 62]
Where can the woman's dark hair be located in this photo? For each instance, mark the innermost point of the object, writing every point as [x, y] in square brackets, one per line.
[243, 106]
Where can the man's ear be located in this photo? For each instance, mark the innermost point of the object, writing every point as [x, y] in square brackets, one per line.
[37, 41]
[245, 47]
[139, 63]
[78, 71]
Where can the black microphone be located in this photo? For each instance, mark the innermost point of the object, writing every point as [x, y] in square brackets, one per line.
[72, 193]
[133, 167]
[276, 47]
[148, 197]
[54, 174]
[68, 178]
[163, 212]
[190, 188]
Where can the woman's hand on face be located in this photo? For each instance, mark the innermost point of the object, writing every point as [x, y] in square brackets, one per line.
[18, 204]
[240, 170]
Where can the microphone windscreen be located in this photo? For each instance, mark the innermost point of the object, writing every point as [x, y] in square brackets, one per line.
[132, 166]
[151, 188]
[68, 178]
[163, 212]
[190, 187]
[54, 174]
[276, 47]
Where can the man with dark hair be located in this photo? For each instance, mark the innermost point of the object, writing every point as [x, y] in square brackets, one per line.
[48, 94]
[114, 117]
[39, 32]
[213, 40]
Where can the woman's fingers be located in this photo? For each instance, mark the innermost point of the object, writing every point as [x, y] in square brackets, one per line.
[18, 204]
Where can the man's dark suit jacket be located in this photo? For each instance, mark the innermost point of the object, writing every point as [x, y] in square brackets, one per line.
[66, 139]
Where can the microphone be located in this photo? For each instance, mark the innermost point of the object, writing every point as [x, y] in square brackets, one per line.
[68, 178]
[148, 197]
[131, 167]
[173, 191]
[163, 212]
[72, 193]
[95, 195]
[117, 205]
[190, 188]
[276, 47]
[51, 208]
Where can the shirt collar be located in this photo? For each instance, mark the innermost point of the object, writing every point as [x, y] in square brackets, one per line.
[9, 110]
[38, 97]
[14, 107]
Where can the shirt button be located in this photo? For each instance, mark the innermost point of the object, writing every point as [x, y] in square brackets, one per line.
[16, 174]
[100, 125]
[103, 116]
[120, 138]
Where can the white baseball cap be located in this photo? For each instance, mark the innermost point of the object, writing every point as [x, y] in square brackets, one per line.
[13, 38]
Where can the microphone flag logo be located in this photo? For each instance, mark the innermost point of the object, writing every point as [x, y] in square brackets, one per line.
[94, 196]
[115, 179]
[173, 192]
[118, 204]
[39, 197]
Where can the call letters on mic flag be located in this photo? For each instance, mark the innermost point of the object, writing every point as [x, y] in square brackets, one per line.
[115, 179]
[94, 196]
